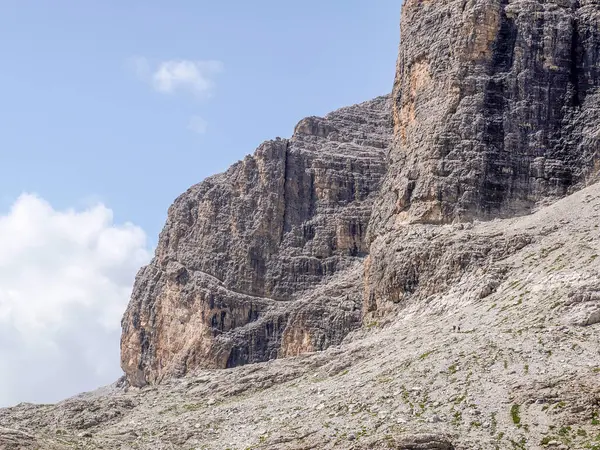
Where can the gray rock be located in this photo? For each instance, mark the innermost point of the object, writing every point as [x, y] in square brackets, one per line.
[495, 108]
[11, 439]
[495, 112]
[264, 260]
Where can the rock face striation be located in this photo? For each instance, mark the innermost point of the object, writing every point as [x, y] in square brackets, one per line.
[495, 112]
[495, 108]
[264, 260]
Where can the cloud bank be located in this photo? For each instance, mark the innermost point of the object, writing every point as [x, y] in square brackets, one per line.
[65, 280]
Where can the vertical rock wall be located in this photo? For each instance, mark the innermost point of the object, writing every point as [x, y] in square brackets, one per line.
[263, 260]
[496, 110]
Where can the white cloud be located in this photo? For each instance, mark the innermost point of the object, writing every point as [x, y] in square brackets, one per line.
[198, 125]
[65, 280]
[168, 77]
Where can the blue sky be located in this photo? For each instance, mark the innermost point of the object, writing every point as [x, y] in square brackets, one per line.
[79, 126]
[108, 111]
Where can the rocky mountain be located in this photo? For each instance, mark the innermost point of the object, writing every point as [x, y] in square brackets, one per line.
[263, 261]
[419, 271]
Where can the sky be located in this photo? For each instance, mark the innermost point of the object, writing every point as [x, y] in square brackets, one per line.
[108, 111]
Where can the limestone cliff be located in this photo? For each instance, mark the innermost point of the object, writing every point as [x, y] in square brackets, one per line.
[495, 108]
[263, 260]
[495, 112]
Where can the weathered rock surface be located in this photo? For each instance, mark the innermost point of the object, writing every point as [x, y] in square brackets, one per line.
[495, 108]
[15, 439]
[239, 269]
[496, 112]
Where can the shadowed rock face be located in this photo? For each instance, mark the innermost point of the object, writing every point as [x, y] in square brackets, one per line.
[239, 266]
[496, 111]
[495, 108]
